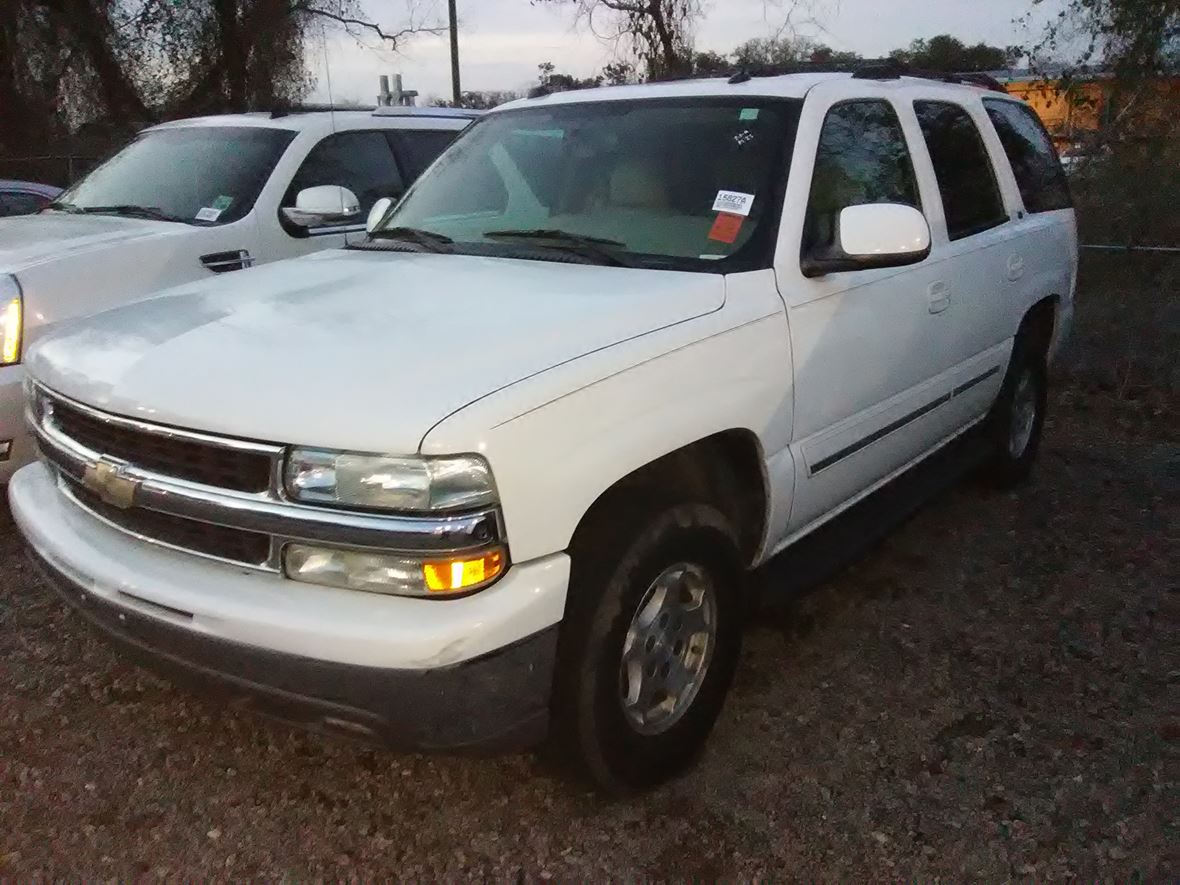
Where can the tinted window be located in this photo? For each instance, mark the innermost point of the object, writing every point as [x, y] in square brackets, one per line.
[862, 158]
[216, 171]
[20, 203]
[360, 161]
[1030, 151]
[970, 196]
[418, 148]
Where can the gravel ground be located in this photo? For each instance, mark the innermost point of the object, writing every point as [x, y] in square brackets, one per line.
[993, 692]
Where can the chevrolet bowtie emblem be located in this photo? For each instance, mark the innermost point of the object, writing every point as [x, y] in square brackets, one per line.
[105, 480]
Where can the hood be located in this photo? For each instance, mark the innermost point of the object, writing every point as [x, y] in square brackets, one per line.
[355, 350]
[29, 240]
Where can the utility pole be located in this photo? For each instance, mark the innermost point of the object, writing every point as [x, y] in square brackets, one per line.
[456, 92]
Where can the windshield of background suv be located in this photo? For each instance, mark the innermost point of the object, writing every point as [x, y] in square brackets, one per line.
[693, 184]
[199, 175]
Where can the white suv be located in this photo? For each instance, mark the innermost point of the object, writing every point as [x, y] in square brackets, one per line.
[192, 198]
[498, 473]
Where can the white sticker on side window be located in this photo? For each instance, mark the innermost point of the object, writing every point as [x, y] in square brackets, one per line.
[208, 214]
[733, 202]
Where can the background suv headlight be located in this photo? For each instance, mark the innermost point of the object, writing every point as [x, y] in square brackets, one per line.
[387, 482]
[11, 320]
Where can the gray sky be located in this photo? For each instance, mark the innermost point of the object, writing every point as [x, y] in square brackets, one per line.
[503, 41]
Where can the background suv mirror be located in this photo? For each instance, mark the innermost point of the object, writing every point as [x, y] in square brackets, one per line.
[377, 213]
[873, 235]
[323, 204]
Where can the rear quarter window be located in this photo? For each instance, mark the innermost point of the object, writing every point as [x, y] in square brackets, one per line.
[971, 197]
[1031, 153]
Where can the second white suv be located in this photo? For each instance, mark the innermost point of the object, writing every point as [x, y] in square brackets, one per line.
[497, 474]
[192, 198]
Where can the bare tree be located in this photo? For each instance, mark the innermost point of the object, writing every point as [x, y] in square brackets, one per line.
[123, 62]
[657, 33]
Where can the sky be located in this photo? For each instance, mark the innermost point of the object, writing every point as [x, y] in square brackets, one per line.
[503, 41]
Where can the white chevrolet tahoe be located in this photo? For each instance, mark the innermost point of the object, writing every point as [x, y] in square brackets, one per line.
[496, 473]
[192, 198]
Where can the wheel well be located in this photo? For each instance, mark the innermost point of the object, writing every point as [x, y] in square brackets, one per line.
[1039, 322]
[725, 470]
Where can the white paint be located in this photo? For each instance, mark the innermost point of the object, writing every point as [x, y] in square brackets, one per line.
[883, 229]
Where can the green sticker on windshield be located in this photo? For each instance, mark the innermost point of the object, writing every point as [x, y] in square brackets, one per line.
[748, 114]
[222, 203]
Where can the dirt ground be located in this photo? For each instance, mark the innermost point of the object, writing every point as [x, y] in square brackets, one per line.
[992, 692]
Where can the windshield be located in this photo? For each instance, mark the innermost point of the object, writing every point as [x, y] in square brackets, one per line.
[199, 175]
[685, 184]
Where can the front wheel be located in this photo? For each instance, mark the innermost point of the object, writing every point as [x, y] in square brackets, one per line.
[649, 645]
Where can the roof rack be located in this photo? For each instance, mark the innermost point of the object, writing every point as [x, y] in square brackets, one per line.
[287, 110]
[869, 69]
[449, 113]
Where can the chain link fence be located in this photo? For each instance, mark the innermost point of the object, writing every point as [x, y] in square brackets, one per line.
[61, 170]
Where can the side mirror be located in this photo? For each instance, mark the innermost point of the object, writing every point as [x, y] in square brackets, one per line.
[324, 204]
[873, 235]
[377, 213]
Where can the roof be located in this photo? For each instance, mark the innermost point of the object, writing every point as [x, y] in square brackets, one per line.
[325, 120]
[780, 86]
[45, 190]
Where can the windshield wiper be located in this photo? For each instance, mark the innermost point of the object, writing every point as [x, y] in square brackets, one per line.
[62, 207]
[130, 210]
[428, 239]
[550, 238]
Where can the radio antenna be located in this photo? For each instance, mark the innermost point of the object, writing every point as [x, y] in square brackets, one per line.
[331, 100]
[328, 75]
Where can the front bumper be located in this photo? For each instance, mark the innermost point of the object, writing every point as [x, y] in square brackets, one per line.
[429, 674]
[12, 422]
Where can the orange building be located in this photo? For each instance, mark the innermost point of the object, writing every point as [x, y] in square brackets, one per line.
[1091, 101]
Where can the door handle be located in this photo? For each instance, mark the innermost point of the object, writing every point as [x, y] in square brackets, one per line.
[939, 296]
[1015, 267]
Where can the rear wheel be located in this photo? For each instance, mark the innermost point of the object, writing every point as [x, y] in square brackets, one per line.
[649, 643]
[1018, 416]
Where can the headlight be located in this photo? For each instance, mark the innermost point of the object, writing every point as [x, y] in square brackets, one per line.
[11, 320]
[387, 482]
[394, 573]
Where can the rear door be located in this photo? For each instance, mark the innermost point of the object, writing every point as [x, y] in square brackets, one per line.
[1046, 253]
[978, 243]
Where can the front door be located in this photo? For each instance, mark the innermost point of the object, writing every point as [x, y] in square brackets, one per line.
[871, 348]
[362, 161]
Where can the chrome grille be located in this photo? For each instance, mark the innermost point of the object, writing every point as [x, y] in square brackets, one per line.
[236, 545]
[212, 465]
[218, 497]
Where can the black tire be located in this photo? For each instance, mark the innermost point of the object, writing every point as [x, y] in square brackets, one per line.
[615, 559]
[1013, 452]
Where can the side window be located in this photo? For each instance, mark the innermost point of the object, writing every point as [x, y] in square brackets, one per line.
[970, 195]
[21, 203]
[1032, 155]
[360, 161]
[417, 148]
[862, 158]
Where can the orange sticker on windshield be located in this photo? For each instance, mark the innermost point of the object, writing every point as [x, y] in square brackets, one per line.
[726, 228]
